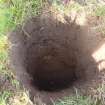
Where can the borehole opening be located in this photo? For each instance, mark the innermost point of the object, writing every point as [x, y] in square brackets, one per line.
[51, 72]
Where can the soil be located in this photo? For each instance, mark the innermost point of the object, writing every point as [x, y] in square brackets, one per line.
[51, 57]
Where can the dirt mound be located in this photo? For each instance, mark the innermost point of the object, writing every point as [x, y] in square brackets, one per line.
[52, 55]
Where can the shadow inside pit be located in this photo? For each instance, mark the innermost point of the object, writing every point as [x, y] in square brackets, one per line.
[51, 55]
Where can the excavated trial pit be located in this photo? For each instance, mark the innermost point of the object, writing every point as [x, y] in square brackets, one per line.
[52, 55]
[46, 50]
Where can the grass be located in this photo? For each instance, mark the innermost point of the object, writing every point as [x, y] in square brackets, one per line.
[100, 11]
[12, 13]
[76, 100]
[21, 9]
[7, 80]
[4, 97]
[66, 9]
[97, 99]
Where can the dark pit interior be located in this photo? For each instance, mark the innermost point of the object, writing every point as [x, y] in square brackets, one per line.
[51, 70]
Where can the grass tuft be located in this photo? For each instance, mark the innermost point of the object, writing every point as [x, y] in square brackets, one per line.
[75, 100]
[4, 96]
[15, 12]
[100, 11]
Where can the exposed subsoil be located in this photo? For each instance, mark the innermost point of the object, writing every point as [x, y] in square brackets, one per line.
[51, 57]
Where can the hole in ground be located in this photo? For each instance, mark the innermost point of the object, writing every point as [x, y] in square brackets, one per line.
[48, 55]
[54, 82]
[51, 72]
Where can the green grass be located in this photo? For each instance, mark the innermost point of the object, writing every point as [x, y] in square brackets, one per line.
[6, 77]
[76, 100]
[3, 53]
[66, 9]
[12, 13]
[97, 99]
[100, 11]
[4, 96]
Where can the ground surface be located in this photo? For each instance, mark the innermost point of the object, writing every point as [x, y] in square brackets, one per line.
[82, 37]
